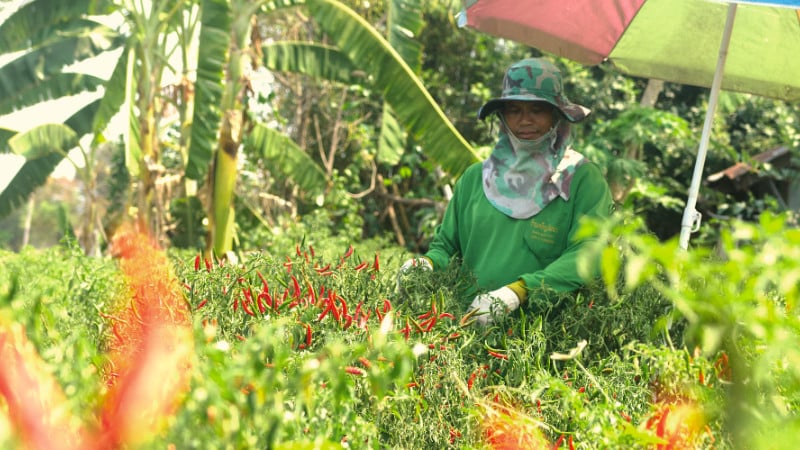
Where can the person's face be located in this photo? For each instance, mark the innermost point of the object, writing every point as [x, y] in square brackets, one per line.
[528, 120]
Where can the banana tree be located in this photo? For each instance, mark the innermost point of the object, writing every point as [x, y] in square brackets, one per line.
[40, 40]
[404, 22]
[359, 46]
[218, 123]
[155, 30]
[417, 111]
[51, 36]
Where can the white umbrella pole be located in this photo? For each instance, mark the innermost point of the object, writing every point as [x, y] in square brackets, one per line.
[691, 217]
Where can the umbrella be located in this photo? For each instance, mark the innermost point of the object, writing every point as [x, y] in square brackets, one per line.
[748, 46]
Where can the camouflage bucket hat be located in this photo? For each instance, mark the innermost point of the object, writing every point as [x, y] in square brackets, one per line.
[531, 80]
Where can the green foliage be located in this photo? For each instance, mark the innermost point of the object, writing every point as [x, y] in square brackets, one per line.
[739, 300]
[56, 295]
[311, 345]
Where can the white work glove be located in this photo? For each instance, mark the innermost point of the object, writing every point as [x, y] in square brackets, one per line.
[497, 302]
[421, 263]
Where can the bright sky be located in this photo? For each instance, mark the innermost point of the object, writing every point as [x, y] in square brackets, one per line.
[25, 119]
[55, 111]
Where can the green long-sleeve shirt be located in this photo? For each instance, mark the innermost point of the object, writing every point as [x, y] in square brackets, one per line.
[499, 250]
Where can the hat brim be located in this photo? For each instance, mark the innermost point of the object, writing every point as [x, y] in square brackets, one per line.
[572, 111]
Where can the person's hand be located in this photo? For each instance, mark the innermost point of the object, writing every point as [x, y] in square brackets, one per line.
[499, 301]
[422, 263]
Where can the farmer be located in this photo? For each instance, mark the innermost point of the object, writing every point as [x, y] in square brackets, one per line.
[513, 218]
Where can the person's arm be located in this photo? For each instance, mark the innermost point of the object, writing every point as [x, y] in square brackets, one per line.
[445, 242]
[592, 199]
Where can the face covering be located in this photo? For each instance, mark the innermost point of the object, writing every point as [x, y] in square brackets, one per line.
[522, 176]
[542, 144]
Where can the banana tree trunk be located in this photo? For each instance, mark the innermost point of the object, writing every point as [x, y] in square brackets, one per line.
[225, 173]
[230, 138]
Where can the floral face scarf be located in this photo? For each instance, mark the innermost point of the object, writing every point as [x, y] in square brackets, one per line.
[522, 176]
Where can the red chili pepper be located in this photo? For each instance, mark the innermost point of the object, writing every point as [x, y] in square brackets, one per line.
[308, 335]
[263, 282]
[297, 249]
[498, 355]
[201, 304]
[348, 252]
[344, 305]
[448, 315]
[662, 423]
[187, 287]
[361, 266]
[407, 330]
[115, 330]
[310, 248]
[454, 434]
[296, 284]
[722, 368]
[337, 315]
[268, 301]
[376, 265]
[365, 362]
[428, 324]
[288, 265]
[311, 293]
[260, 303]
[246, 308]
[412, 385]
[387, 305]
[348, 320]
[591, 303]
[571, 445]
[417, 326]
[197, 263]
[328, 307]
[558, 442]
[355, 371]
[235, 304]
[323, 269]
[208, 264]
